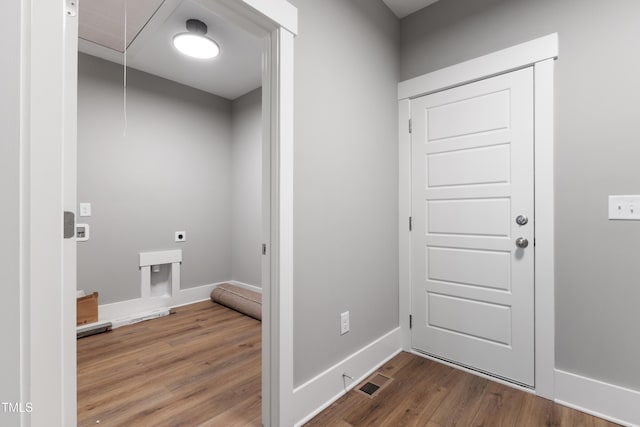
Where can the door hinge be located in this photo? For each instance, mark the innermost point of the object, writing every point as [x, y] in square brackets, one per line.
[71, 8]
[410, 223]
[410, 126]
[410, 321]
[264, 249]
[69, 225]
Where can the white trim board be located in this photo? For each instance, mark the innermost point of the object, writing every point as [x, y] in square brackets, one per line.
[404, 213]
[502, 61]
[49, 77]
[540, 54]
[312, 397]
[277, 311]
[282, 13]
[610, 402]
[544, 272]
[136, 310]
[246, 286]
[159, 257]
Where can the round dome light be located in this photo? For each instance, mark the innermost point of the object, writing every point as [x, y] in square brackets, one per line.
[194, 43]
[196, 46]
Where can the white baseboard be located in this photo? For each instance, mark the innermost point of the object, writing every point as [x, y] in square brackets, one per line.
[246, 286]
[136, 310]
[117, 311]
[139, 317]
[610, 402]
[318, 393]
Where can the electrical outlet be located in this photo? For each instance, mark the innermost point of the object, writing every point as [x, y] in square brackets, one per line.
[624, 207]
[181, 236]
[344, 323]
[82, 232]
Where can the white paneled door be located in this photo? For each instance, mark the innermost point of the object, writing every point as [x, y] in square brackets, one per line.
[473, 226]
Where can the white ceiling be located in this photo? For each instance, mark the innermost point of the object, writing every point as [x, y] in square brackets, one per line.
[102, 21]
[151, 25]
[403, 8]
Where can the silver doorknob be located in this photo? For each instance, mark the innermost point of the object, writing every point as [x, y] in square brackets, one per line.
[522, 219]
[521, 242]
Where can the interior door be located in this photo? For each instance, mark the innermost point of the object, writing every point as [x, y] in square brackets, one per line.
[473, 229]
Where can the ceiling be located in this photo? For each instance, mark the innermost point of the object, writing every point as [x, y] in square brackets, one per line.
[151, 25]
[403, 8]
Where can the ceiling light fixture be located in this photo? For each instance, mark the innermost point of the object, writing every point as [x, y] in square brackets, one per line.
[195, 43]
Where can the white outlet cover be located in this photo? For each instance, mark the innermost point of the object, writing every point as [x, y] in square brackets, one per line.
[83, 232]
[624, 207]
[181, 236]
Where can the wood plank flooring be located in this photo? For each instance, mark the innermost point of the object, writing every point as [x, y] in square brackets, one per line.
[201, 367]
[429, 394]
[197, 367]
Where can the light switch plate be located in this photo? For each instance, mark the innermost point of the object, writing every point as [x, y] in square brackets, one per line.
[85, 209]
[624, 207]
[344, 323]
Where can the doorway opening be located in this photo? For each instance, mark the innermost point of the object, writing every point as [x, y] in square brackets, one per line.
[170, 192]
[539, 54]
[50, 121]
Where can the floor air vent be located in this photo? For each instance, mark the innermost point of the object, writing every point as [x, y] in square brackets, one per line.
[372, 387]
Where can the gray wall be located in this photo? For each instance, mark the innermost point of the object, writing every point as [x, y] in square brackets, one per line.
[597, 152]
[10, 209]
[246, 188]
[346, 179]
[170, 173]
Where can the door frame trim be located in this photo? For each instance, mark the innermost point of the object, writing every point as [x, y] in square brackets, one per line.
[540, 54]
[48, 121]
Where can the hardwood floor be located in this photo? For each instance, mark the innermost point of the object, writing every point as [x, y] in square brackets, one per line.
[201, 367]
[429, 394]
[197, 367]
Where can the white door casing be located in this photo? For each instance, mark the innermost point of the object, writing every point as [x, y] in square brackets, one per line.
[539, 53]
[472, 175]
[49, 122]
